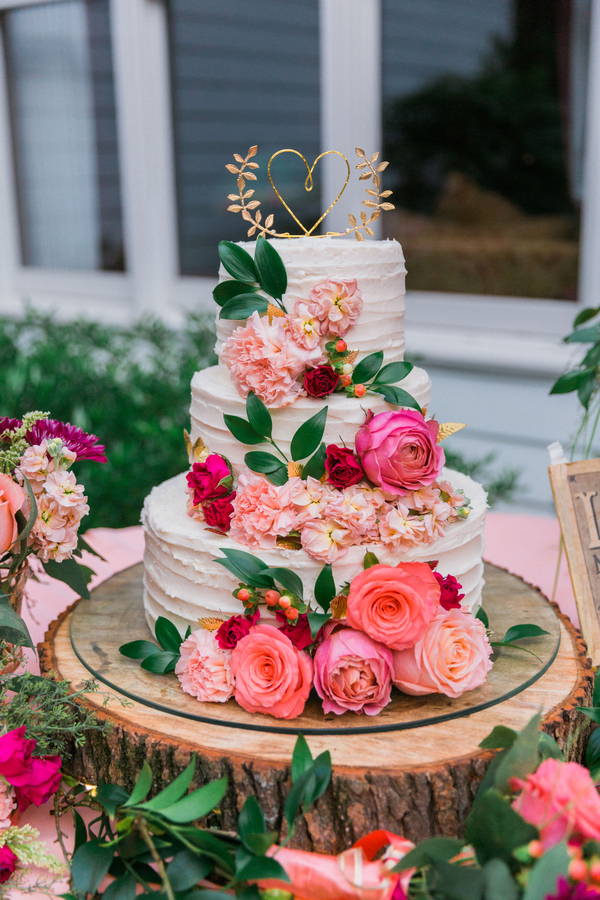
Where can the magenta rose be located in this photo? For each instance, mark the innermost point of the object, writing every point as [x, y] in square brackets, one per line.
[343, 467]
[299, 634]
[352, 671]
[218, 513]
[451, 596]
[398, 450]
[39, 782]
[204, 481]
[234, 629]
[15, 753]
[321, 382]
[8, 863]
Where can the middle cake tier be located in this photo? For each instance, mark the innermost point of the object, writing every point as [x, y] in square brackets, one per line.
[213, 395]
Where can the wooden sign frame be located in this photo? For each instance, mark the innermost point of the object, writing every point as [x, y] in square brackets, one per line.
[576, 490]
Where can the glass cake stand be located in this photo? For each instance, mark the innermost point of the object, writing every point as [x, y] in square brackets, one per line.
[115, 615]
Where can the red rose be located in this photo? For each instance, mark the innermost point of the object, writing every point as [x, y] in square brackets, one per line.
[39, 782]
[204, 481]
[321, 382]
[450, 598]
[299, 634]
[234, 629]
[343, 467]
[218, 513]
[8, 863]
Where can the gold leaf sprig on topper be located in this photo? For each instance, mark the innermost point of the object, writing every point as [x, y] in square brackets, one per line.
[248, 207]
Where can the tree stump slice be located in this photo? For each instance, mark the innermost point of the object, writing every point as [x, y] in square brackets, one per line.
[417, 782]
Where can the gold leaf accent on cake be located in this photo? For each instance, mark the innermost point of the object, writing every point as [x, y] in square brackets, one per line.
[273, 310]
[210, 623]
[339, 606]
[448, 428]
[188, 442]
[294, 468]
[200, 450]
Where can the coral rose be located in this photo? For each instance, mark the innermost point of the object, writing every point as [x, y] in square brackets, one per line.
[39, 782]
[452, 657]
[11, 501]
[342, 466]
[204, 481]
[271, 675]
[8, 863]
[393, 604]
[336, 304]
[262, 511]
[204, 668]
[352, 671]
[561, 800]
[398, 450]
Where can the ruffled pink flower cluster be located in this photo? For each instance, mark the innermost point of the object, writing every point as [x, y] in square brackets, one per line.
[61, 502]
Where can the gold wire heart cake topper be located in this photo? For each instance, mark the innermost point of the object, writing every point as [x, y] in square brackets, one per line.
[251, 213]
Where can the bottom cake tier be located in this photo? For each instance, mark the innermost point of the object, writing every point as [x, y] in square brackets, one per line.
[183, 582]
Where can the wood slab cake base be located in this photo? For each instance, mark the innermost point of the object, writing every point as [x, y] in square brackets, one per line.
[418, 778]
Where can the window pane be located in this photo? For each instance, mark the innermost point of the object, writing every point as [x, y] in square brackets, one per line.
[62, 105]
[243, 73]
[483, 128]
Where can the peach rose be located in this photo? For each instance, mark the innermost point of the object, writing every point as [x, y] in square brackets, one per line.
[452, 657]
[11, 501]
[336, 304]
[393, 604]
[271, 675]
[261, 511]
[561, 800]
[204, 668]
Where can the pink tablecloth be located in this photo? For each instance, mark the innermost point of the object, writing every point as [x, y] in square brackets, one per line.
[526, 545]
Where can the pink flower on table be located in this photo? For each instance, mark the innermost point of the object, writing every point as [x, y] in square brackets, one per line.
[15, 753]
[262, 511]
[204, 480]
[11, 501]
[304, 327]
[218, 513]
[271, 675]
[62, 487]
[234, 629]
[398, 529]
[398, 451]
[39, 782]
[266, 359]
[336, 304]
[352, 671]
[7, 803]
[8, 863]
[355, 510]
[561, 800]
[450, 587]
[325, 539]
[452, 656]
[310, 498]
[204, 668]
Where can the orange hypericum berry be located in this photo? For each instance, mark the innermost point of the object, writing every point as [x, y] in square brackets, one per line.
[341, 346]
[285, 602]
[272, 598]
[291, 613]
[535, 849]
[346, 380]
[360, 390]
[578, 870]
[243, 595]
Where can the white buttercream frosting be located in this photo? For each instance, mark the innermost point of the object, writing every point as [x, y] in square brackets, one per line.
[377, 266]
[184, 583]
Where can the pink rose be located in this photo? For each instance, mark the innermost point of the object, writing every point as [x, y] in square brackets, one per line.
[39, 782]
[8, 863]
[204, 481]
[262, 511]
[11, 501]
[352, 671]
[453, 656]
[393, 604]
[336, 304]
[398, 450]
[298, 633]
[204, 668]
[450, 587]
[15, 753]
[271, 675]
[234, 629]
[218, 513]
[561, 800]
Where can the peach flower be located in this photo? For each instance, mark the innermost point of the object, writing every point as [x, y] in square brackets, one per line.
[561, 800]
[304, 327]
[352, 671]
[271, 675]
[398, 529]
[262, 511]
[11, 501]
[7, 803]
[356, 510]
[310, 498]
[204, 668]
[36, 464]
[325, 539]
[393, 604]
[336, 304]
[453, 656]
[265, 358]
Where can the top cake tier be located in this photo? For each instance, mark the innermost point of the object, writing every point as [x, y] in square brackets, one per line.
[377, 266]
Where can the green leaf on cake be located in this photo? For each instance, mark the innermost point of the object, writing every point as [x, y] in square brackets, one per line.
[325, 587]
[288, 580]
[584, 336]
[279, 476]
[242, 430]
[237, 262]
[258, 415]
[367, 368]
[588, 313]
[227, 290]
[246, 567]
[315, 467]
[571, 381]
[270, 269]
[396, 395]
[370, 560]
[393, 372]
[267, 464]
[167, 635]
[308, 437]
[316, 621]
[243, 305]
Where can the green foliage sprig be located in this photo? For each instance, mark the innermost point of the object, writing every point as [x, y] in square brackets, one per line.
[380, 379]
[238, 298]
[160, 659]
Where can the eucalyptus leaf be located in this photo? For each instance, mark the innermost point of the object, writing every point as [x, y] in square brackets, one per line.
[499, 883]
[244, 305]
[288, 580]
[315, 467]
[396, 396]
[325, 587]
[160, 663]
[237, 262]
[138, 649]
[269, 266]
[393, 372]
[174, 791]
[548, 747]
[308, 436]
[167, 635]
[243, 430]
[227, 290]
[435, 848]
[258, 415]
[367, 368]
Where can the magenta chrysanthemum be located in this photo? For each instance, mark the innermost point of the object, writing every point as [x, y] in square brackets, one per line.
[8, 424]
[84, 445]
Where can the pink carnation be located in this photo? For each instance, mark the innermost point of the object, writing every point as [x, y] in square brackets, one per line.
[204, 668]
[354, 672]
[262, 511]
[266, 359]
[336, 304]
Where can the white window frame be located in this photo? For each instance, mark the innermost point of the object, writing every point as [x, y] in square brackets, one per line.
[493, 332]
